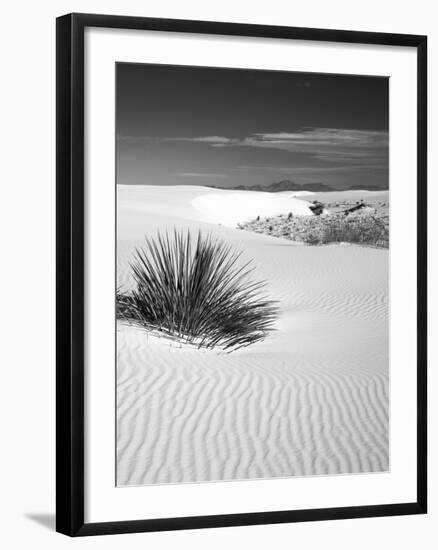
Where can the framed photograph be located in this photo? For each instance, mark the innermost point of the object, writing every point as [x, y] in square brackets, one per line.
[241, 274]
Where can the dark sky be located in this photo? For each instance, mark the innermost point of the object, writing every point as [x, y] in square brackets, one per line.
[226, 127]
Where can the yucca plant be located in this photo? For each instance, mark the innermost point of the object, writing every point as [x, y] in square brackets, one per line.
[196, 290]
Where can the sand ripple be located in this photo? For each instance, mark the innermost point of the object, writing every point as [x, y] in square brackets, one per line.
[225, 417]
[312, 399]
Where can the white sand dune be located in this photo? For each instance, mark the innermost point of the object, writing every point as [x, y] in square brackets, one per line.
[296, 194]
[310, 399]
[219, 206]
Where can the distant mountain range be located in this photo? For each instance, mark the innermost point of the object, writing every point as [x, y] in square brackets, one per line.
[288, 185]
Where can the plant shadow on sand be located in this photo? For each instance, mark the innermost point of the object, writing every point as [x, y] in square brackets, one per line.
[195, 290]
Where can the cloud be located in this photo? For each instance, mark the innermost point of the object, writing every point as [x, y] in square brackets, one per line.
[325, 144]
[128, 137]
[302, 170]
[213, 140]
[200, 175]
[210, 140]
[329, 144]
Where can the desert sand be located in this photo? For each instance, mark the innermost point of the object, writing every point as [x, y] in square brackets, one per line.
[311, 399]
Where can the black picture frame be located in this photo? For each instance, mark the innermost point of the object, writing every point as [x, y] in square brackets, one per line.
[70, 274]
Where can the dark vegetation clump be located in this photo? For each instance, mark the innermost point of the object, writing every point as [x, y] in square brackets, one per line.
[367, 230]
[195, 290]
[317, 208]
[353, 222]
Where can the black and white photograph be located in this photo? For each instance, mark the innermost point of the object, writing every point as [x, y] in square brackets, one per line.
[216, 332]
[252, 293]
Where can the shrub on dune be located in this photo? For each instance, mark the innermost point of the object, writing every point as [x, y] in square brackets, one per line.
[367, 230]
[363, 229]
[197, 291]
